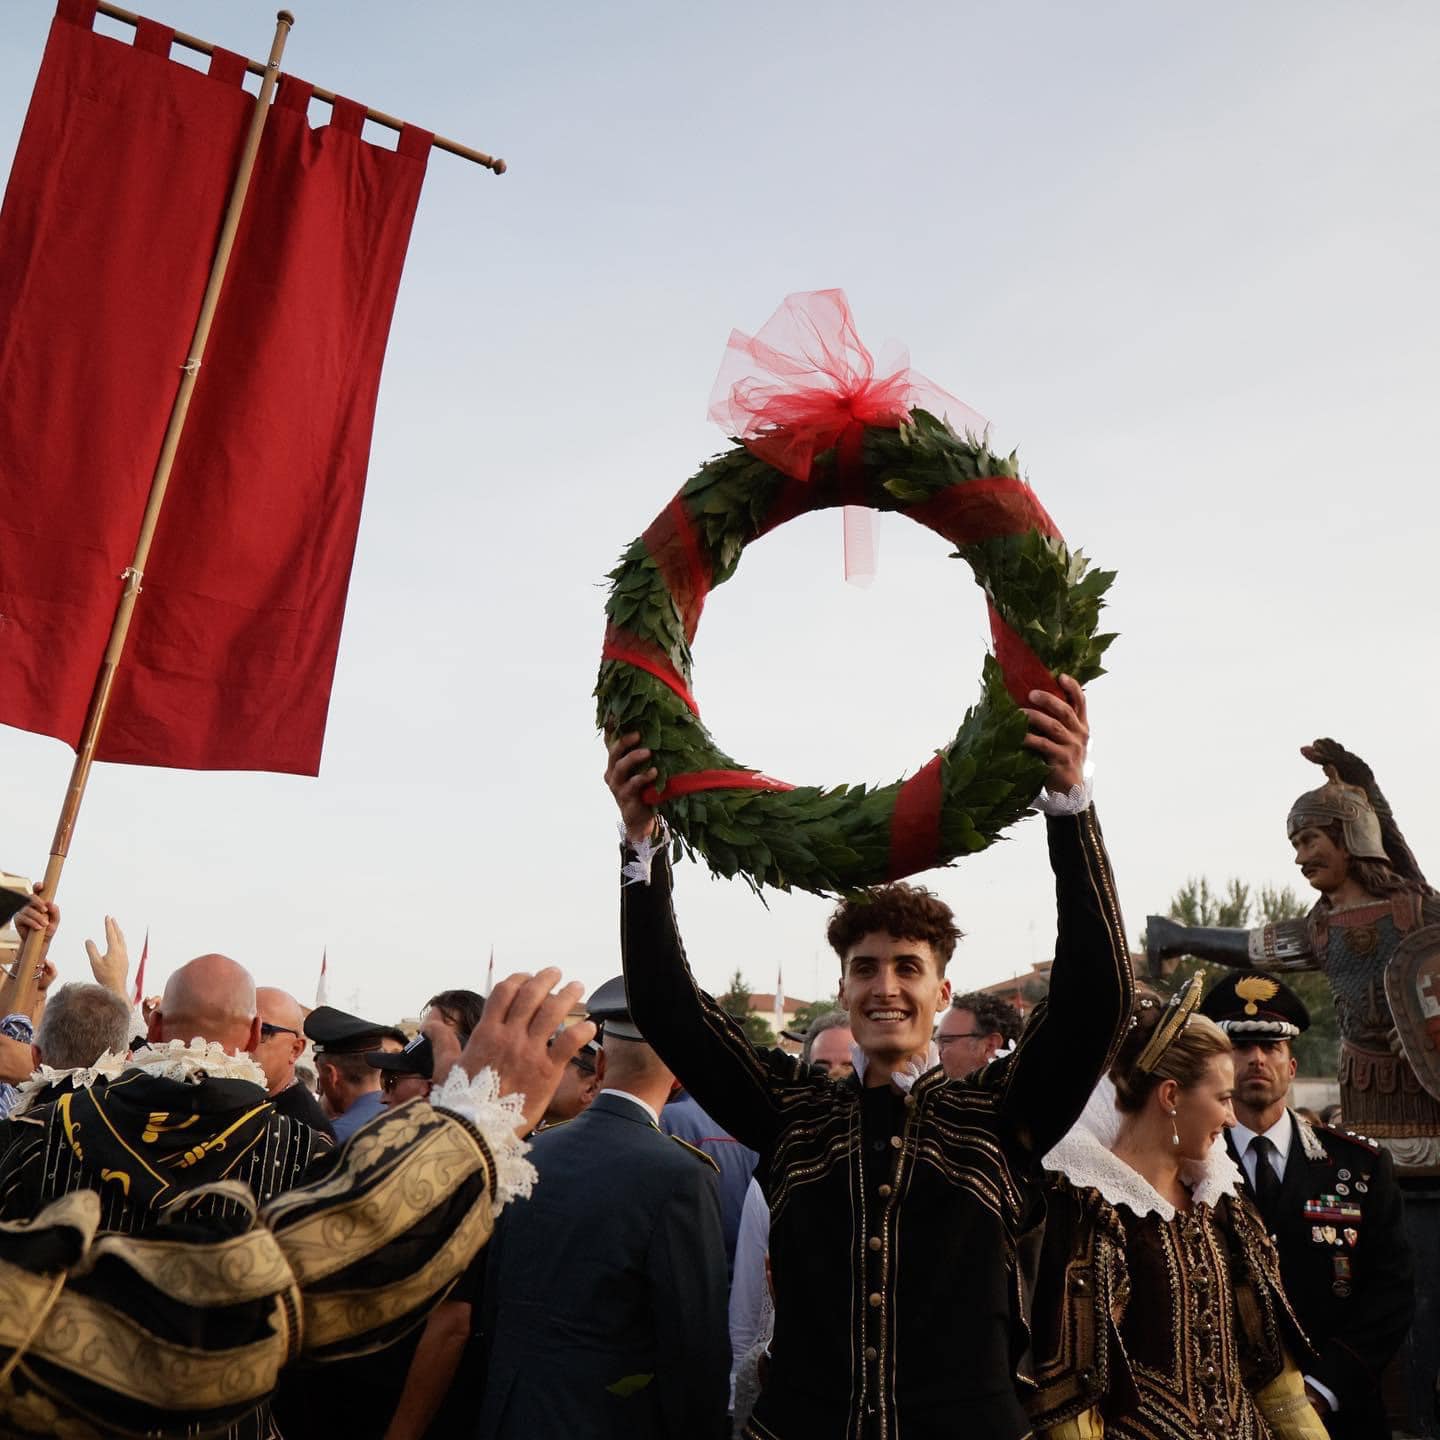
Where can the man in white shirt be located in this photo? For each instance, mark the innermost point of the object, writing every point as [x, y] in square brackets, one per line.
[1331, 1202]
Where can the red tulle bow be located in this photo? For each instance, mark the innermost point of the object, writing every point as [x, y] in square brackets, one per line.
[793, 390]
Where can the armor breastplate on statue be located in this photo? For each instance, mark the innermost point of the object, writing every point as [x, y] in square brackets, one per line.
[1389, 1070]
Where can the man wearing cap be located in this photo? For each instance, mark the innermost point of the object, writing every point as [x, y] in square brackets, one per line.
[579, 1086]
[349, 1084]
[604, 1299]
[1332, 1203]
[405, 1074]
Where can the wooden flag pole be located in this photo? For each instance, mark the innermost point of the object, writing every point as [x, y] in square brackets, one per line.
[17, 993]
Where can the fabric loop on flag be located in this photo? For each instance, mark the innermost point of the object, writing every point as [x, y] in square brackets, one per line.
[415, 143]
[154, 38]
[78, 12]
[227, 67]
[347, 115]
[293, 93]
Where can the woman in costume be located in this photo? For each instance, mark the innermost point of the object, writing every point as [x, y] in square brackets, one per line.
[1159, 1313]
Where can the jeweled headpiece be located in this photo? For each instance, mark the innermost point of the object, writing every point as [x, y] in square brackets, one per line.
[1172, 1023]
[1347, 804]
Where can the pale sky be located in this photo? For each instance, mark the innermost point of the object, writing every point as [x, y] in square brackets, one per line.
[1182, 258]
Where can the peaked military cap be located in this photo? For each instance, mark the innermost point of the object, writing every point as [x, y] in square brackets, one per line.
[417, 1058]
[609, 1008]
[344, 1034]
[1249, 1002]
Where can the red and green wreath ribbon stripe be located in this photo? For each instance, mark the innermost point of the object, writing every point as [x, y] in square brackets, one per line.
[1043, 608]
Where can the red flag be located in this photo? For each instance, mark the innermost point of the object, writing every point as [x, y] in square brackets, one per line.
[322, 988]
[490, 973]
[106, 238]
[140, 973]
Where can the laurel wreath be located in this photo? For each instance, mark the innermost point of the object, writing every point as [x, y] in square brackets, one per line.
[837, 840]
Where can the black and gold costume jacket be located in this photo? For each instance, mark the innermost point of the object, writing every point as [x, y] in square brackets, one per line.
[904, 1229]
[1164, 1329]
[184, 1330]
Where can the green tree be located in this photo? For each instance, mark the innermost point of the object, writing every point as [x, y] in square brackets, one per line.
[736, 1001]
[801, 1020]
[1317, 1051]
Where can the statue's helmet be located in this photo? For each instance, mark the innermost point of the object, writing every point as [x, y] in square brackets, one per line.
[1350, 806]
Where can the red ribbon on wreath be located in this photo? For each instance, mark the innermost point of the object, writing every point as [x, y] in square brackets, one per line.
[806, 383]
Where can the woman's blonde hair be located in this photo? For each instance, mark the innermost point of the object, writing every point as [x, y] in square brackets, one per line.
[1184, 1060]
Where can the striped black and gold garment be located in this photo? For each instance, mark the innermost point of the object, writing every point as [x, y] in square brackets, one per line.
[904, 1228]
[183, 1330]
[143, 1142]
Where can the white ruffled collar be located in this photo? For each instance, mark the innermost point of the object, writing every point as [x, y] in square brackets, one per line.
[80, 1077]
[199, 1060]
[903, 1079]
[1085, 1159]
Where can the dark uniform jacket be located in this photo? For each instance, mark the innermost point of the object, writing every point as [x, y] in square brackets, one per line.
[604, 1310]
[1345, 1262]
[904, 1228]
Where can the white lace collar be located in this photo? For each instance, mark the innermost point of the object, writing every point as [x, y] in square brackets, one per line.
[80, 1077]
[1085, 1159]
[197, 1061]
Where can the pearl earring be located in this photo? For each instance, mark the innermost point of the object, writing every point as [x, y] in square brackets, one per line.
[1175, 1129]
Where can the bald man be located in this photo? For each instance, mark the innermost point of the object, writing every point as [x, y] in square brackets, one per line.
[282, 1043]
[192, 1109]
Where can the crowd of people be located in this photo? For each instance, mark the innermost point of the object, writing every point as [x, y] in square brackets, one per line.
[937, 1219]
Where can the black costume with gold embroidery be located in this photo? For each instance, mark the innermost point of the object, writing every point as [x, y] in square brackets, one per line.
[903, 1228]
[182, 1331]
[1164, 1328]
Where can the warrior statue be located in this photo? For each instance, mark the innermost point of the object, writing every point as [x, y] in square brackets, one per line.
[1375, 933]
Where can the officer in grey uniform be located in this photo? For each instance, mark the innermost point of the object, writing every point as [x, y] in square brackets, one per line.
[604, 1304]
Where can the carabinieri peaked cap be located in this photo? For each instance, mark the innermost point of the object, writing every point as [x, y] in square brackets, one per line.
[341, 1033]
[609, 1008]
[1249, 1002]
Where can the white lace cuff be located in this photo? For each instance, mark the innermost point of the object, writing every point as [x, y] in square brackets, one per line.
[1073, 802]
[641, 853]
[496, 1117]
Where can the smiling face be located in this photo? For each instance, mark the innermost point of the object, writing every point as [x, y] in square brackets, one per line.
[892, 989]
[1322, 862]
[1204, 1110]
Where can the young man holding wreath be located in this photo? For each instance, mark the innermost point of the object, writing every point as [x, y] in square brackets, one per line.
[893, 1197]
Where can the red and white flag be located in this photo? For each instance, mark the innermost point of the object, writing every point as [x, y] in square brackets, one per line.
[140, 973]
[107, 234]
[490, 973]
[779, 1000]
[322, 989]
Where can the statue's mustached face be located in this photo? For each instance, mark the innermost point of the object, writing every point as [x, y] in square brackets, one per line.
[1322, 862]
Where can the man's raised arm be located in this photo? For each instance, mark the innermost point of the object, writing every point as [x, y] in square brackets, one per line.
[702, 1045]
[1073, 1034]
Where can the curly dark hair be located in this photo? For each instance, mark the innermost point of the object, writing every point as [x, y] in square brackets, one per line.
[908, 912]
[1184, 1061]
[460, 1008]
[993, 1016]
